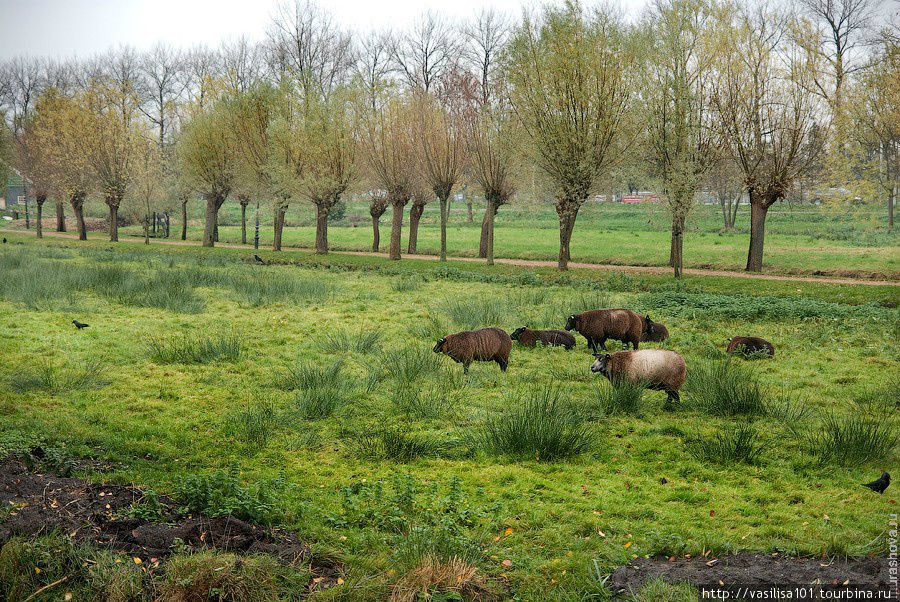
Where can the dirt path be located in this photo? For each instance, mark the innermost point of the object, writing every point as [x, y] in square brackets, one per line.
[536, 263]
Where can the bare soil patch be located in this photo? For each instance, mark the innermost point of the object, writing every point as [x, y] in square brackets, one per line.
[752, 569]
[94, 513]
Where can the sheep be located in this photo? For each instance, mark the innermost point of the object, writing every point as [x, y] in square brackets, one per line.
[654, 332]
[485, 345]
[748, 345]
[660, 369]
[597, 325]
[529, 337]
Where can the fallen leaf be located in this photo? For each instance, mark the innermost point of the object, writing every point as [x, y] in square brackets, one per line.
[721, 582]
[712, 562]
[583, 489]
[67, 596]
[671, 559]
[601, 533]
[508, 531]
[137, 560]
[496, 538]
[507, 563]
[892, 501]
[318, 579]
[340, 581]
[847, 582]
[712, 512]
[628, 545]
[37, 569]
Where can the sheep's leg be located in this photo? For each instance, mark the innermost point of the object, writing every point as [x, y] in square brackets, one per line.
[465, 367]
[503, 364]
[671, 396]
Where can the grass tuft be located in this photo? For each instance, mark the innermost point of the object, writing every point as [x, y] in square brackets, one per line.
[253, 424]
[622, 398]
[723, 388]
[542, 427]
[322, 389]
[732, 445]
[343, 340]
[852, 440]
[222, 347]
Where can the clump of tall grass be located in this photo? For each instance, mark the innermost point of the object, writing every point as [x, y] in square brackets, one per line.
[620, 398]
[543, 426]
[734, 444]
[253, 424]
[852, 440]
[263, 289]
[47, 376]
[343, 340]
[406, 283]
[587, 301]
[422, 403]
[476, 313]
[722, 388]
[322, 389]
[189, 350]
[409, 364]
[396, 444]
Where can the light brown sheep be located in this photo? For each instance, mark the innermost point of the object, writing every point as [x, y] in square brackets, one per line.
[660, 369]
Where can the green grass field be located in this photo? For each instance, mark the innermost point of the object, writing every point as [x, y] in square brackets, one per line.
[316, 380]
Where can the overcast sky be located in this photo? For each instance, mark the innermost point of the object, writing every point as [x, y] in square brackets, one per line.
[64, 28]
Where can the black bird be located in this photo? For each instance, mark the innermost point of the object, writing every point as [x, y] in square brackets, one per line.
[79, 325]
[879, 484]
[259, 260]
[4, 240]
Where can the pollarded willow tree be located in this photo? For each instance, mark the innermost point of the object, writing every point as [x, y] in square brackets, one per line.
[568, 72]
[34, 168]
[207, 159]
[491, 153]
[442, 138]
[678, 72]
[767, 116]
[60, 126]
[377, 207]
[390, 150]
[112, 143]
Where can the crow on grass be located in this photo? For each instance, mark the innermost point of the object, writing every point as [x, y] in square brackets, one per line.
[879, 484]
[79, 325]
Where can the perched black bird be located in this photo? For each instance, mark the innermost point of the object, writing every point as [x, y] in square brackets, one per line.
[879, 484]
[79, 325]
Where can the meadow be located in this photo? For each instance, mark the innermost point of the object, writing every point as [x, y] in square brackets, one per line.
[305, 394]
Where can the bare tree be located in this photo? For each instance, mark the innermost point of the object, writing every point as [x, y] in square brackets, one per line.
[23, 79]
[373, 66]
[486, 35]
[242, 64]
[726, 182]
[201, 70]
[767, 116]
[162, 70]
[425, 53]
[568, 75]
[677, 98]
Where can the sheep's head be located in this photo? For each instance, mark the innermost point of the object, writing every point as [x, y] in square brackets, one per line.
[601, 361]
[571, 322]
[515, 333]
[439, 346]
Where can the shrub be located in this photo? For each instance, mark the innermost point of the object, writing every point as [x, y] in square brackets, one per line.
[214, 575]
[733, 444]
[222, 493]
[543, 427]
[852, 440]
[201, 350]
[435, 579]
[343, 340]
[622, 397]
[722, 388]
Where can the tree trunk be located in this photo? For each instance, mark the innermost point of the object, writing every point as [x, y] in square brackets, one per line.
[167, 224]
[146, 228]
[39, 225]
[445, 213]
[487, 227]
[256, 233]
[216, 228]
[891, 196]
[489, 214]
[212, 216]
[27, 215]
[469, 217]
[60, 217]
[244, 221]
[279, 227]
[678, 245]
[758, 210]
[396, 227]
[155, 223]
[376, 235]
[567, 210]
[321, 229]
[184, 219]
[113, 221]
[415, 214]
[77, 203]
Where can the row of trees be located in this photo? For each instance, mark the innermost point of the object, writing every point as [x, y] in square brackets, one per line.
[702, 93]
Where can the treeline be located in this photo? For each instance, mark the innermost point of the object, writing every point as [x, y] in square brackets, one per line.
[697, 95]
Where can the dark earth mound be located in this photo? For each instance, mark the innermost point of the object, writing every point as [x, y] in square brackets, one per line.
[43, 503]
[752, 569]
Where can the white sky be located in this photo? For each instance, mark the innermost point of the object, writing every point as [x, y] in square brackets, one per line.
[64, 28]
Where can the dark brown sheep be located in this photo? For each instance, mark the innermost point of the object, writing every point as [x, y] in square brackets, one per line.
[654, 331]
[485, 345]
[529, 337]
[597, 325]
[748, 345]
[661, 369]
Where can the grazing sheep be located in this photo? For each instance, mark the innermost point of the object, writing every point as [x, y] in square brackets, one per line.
[661, 369]
[748, 345]
[597, 325]
[529, 337]
[485, 345]
[654, 332]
